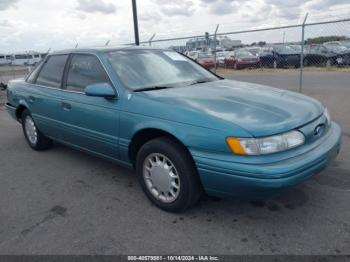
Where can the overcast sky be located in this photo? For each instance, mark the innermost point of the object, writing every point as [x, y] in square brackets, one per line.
[57, 24]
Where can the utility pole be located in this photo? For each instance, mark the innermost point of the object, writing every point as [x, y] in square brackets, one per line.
[302, 54]
[216, 30]
[136, 26]
[150, 40]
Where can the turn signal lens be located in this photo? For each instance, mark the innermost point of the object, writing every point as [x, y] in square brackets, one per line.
[235, 146]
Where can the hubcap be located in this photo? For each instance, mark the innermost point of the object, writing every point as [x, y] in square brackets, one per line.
[30, 129]
[161, 178]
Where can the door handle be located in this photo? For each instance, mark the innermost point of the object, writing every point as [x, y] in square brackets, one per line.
[66, 106]
[31, 99]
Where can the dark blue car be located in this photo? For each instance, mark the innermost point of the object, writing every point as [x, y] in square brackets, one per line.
[185, 130]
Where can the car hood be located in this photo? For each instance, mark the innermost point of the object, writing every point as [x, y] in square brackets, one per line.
[260, 110]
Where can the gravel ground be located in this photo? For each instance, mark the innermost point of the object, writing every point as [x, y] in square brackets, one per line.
[66, 202]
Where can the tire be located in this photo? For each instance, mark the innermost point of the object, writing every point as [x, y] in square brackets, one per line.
[35, 139]
[175, 168]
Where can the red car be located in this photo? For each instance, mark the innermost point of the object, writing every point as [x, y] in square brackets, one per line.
[206, 60]
[241, 59]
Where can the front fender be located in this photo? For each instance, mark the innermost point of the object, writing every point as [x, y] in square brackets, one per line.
[193, 137]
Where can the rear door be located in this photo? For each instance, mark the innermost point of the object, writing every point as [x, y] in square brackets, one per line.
[44, 95]
[90, 123]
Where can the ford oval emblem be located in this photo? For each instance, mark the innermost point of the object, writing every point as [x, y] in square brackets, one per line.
[318, 130]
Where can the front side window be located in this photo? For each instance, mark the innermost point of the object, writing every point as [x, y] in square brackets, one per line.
[138, 69]
[52, 71]
[85, 70]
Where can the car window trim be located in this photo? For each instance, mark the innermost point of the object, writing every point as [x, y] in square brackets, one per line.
[71, 91]
[65, 73]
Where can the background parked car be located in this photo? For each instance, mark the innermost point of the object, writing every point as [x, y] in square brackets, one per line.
[279, 56]
[220, 58]
[343, 57]
[206, 59]
[326, 55]
[241, 59]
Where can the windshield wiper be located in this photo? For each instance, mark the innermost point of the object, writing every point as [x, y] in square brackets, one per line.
[200, 81]
[150, 88]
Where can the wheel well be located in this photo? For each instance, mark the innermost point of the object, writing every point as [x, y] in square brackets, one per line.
[19, 111]
[145, 135]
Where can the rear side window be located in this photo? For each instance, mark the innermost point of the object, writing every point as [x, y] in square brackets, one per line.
[85, 70]
[52, 71]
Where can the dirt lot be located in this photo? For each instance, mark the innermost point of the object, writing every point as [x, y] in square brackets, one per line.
[66, 202]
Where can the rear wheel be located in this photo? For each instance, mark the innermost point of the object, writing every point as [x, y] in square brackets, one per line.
[36, 140]
[168, 175]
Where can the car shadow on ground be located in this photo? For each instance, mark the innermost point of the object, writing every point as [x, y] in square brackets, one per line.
[294, 198]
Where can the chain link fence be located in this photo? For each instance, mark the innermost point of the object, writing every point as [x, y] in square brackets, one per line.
[321, 47]
[275, 51]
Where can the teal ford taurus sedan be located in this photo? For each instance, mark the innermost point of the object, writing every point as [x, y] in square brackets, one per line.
[185, 130]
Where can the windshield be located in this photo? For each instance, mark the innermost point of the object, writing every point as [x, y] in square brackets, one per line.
[284, 48]
[244, 54]
[138, 69]
[204, 55]
[254, 51]
[221, 54]
[336, 48]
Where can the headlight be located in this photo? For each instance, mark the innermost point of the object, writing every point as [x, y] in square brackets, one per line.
[327, 116]
[265, 145]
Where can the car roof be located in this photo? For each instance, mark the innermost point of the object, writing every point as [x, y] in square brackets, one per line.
[95, 50]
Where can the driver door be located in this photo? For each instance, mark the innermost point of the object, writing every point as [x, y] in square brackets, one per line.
[91, 123]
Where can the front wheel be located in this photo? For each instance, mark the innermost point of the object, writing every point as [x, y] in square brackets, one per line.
[34, 137]
[168, 175]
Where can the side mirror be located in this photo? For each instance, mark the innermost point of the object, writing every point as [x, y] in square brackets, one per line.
[100, 90]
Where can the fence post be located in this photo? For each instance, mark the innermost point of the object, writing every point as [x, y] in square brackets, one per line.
[216, 30]
[302, 54]
[150, 40]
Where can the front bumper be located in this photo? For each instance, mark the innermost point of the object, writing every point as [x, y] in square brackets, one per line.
[261, 180]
